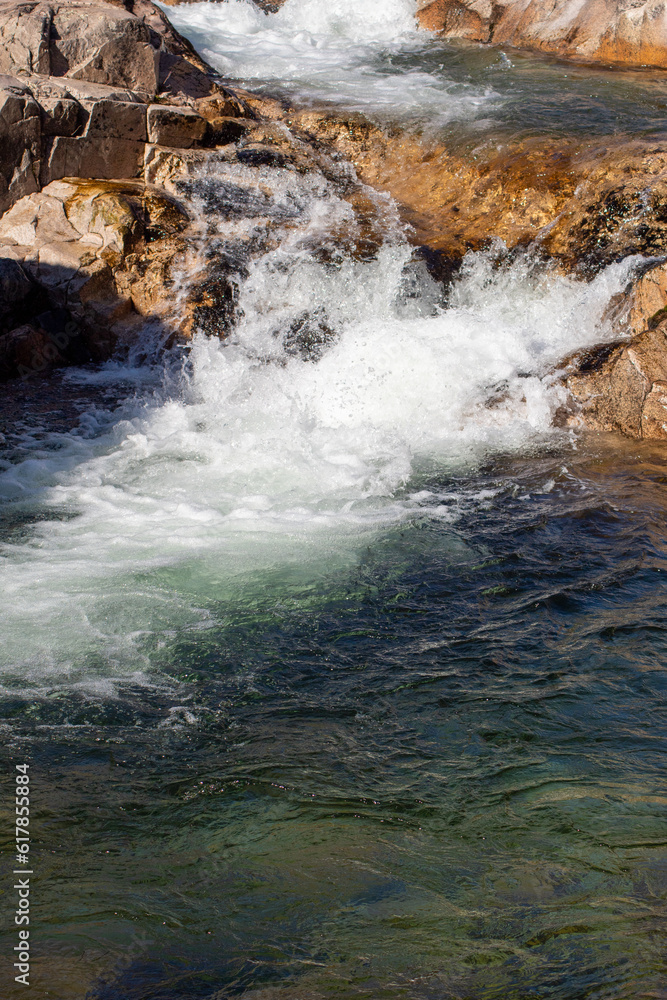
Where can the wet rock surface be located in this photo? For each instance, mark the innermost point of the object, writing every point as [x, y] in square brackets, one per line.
[623, 386]
[585, 202]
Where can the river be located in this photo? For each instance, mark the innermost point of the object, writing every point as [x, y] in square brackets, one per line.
[340, 669]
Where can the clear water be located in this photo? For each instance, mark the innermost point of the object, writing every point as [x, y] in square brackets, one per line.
[339, 668]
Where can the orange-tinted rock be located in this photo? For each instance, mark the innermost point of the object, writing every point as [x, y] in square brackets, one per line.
[585, 202]
[456, 19]
[98, 256]
[611, 31]
[624, 387]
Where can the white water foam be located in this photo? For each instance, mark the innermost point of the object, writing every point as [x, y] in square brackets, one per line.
[332, 51]
[287, 448]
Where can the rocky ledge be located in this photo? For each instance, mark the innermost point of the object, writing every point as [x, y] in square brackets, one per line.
[106, 117]
[582, 204]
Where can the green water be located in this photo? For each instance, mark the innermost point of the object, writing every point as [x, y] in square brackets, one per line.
[436, 775]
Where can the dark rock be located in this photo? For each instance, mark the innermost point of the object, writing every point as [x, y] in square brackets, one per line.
[222, 131]
[14, 284]
[309, 336]
[257, 155]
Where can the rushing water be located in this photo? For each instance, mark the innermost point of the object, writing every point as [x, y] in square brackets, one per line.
[370, 56]
[338, 667]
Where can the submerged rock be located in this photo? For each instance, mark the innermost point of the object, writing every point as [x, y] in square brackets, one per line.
[585, 202]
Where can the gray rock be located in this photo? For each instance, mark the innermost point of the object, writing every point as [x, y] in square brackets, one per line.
[173, 126]
[61, 115]
[101, 157]
[104, 44]
[20, 151]
[116, 119]
[97, 42]
[25, 31]
[79, 90]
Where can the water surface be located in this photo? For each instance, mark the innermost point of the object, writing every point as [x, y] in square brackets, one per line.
[340, 668]
[373, 58]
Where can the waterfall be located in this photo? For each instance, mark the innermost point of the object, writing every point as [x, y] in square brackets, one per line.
[288, 446]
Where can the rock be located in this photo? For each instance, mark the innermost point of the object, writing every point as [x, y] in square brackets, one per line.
[18, 295]
[20, 151]
[87, 69]
[624, 388]
[643, 305]
[457, 19]
[100, 43]
[25, 37]
[85, 261]
[14, 283]
[82, 91]
[162, 165]
[617, 31]
[128, 45]
[222, 131]
[118, 120]
[182, 72]
[28, 350]
[36, 221]
[60, 116]
[211, 306]
[174, 126]
[97, 42]
[269, 6]
[102, 158]
[96, 257]
[223, 105]
[583, 201]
